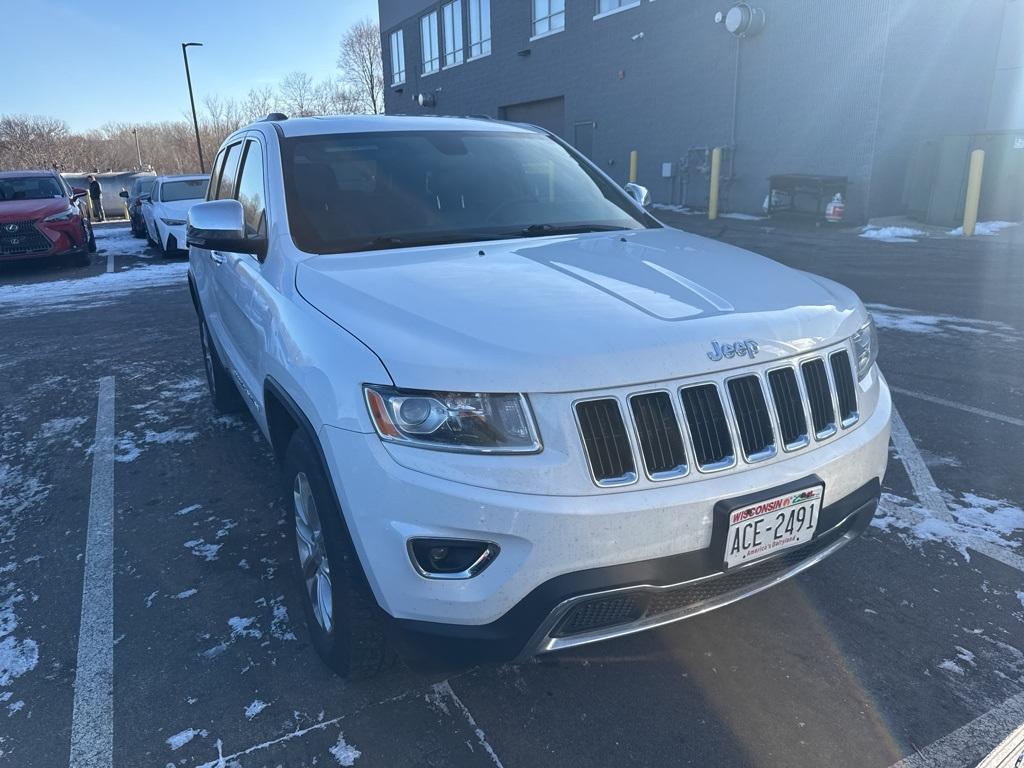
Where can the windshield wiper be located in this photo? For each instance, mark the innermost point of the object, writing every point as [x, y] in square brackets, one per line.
[540, 230]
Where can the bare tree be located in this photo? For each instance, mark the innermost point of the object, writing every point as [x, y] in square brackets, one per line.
[297, 92]
[259, 102]
[359, 60]
[33, 141]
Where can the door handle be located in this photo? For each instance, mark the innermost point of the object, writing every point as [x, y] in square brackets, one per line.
[216, 258]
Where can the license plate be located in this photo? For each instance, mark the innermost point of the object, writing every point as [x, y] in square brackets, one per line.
[772, 525]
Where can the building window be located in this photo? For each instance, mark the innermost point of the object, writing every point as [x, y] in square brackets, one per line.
[479, 28]
[451, 16]
[548, 16]
[397, 58]
[428, 43]
[607, 6]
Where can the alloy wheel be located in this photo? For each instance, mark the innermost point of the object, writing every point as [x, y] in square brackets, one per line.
[309, 538]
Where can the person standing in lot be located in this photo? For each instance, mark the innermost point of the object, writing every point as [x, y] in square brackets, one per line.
[96, 198]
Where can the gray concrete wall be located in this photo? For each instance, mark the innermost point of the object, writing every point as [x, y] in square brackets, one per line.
[829, 87]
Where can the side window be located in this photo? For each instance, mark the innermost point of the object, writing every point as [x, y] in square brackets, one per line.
[226, 186]
[218, 164]
[250, 191]
[155, 196]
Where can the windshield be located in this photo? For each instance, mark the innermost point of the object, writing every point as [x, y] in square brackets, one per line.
[30, 188]
[142, 186]
[187, 189]
[353, 192]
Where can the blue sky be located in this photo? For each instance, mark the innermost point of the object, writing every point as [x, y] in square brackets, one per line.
[93, 61]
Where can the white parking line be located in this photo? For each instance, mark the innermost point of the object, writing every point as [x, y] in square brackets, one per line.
[92, 717]
[961, 747]
[445, 689]
[110, 261]
[960, 406]
[929, 495]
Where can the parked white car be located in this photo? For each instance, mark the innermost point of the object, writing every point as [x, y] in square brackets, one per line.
[165, 209]
[515, 412]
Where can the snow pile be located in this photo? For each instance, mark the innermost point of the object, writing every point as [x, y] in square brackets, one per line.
[911, 321]
[892, 234]
[118, 241]
[96, 291]
[345, 753]
[975, 518]
[988, 228]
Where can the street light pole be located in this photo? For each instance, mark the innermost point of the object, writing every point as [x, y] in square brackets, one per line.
[191, 98]
[138, 148]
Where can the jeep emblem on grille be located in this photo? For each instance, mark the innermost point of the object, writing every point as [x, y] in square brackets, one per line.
[747, 348]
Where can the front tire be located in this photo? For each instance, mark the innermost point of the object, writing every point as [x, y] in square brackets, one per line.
[90, 240]
[335, 598]
[223, 391]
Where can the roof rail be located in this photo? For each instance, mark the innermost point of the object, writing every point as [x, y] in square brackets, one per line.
[274, 117]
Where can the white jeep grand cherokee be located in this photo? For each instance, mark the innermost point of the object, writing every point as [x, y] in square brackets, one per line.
[516, 413]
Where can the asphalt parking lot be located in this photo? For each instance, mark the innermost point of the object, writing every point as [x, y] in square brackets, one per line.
[907, 645]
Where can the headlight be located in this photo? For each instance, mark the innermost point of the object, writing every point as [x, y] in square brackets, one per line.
[865, 348]
[63, 215]
[173, 222]
[453, 421]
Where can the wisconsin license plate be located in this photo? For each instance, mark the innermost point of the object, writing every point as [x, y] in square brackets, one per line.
[772, 525]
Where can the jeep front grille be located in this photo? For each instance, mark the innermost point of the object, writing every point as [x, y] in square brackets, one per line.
[606, 441]
[727, 422]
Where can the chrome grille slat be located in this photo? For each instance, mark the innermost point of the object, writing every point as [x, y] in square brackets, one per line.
[607, 442]
[846, 390]
[752, 417]
[819, 394]
[789, 408]
[709, 428]
[659, 435]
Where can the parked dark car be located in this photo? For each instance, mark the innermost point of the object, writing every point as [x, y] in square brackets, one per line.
[141, 187]
[41, 216]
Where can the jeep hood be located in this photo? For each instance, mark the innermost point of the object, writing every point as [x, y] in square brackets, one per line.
[572, 313]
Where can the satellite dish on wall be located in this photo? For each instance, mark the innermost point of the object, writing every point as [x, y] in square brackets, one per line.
[742, 20]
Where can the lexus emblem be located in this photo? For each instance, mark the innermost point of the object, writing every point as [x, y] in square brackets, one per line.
[11, 227]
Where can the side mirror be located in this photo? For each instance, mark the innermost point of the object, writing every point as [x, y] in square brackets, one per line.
[123, 193]
[219, 225]
[641, 195]
[146, 199]
[77, 193]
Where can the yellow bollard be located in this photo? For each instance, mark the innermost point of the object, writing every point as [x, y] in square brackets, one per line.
[716, 169]
[973, 191]
[632, 166]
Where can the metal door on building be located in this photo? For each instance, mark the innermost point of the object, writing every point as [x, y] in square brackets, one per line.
[583, 137]
[545, 113]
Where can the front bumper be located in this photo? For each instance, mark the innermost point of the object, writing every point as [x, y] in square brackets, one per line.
[555, 549]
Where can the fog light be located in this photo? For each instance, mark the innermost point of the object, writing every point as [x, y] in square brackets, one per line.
[451, 558]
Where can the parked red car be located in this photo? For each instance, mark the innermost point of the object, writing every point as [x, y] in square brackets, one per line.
[41, 216]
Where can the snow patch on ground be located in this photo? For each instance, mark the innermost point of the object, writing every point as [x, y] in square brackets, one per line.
[673, 208]
[255, 708]
[910, 321]
[200, 548]
[17, 656]
[243, 627]
[975, 518]
[179, 740]
[99, 290]
[190, 508]
[987, 228]
[345, 753]
[741, 217]
[61, 427]
[892, 234]
[184, 595]
[170, 436]
[279, 625]
[951, 666]
[118, 241]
